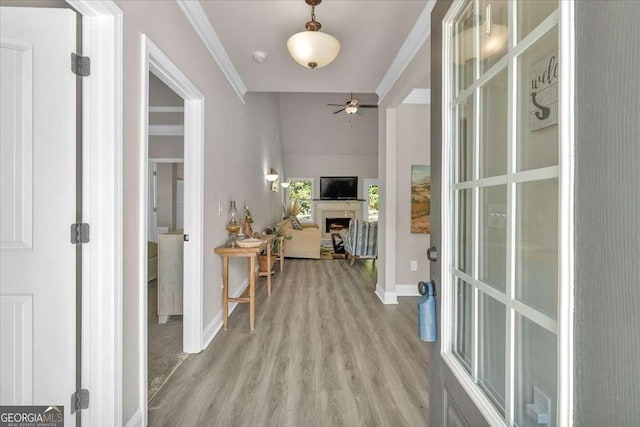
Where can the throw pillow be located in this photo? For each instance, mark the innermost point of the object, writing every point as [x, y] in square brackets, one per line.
[296, 223]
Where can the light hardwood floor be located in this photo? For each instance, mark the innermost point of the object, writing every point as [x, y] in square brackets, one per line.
[325, 352]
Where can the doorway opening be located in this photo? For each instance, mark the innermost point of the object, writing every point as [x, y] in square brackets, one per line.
[174, 149]
[165, 233]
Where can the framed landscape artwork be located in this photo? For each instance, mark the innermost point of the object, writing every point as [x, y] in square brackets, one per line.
[421, 199]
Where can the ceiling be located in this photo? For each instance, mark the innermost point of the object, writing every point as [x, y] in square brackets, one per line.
[370, 33]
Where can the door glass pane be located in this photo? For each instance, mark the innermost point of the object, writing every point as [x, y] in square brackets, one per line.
[536, 366]
[492, 252]
[493, 136]
[491, 347]
[464, 323]
[531, 13]
[536, 270]
[465, 133]
[494, 32]
[463, 45]
[464, 231]
[537, 144]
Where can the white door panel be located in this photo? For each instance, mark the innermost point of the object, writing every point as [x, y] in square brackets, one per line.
[38, 171]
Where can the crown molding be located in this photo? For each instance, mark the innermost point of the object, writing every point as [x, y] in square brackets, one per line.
[418, 96]
[416, 38]
[200, 23]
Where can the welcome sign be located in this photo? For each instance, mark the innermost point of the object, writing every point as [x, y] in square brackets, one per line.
[543, 93]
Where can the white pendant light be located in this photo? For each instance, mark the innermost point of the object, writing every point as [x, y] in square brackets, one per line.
[312, 48]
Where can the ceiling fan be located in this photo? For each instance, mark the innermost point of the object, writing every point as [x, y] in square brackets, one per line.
[352, 106]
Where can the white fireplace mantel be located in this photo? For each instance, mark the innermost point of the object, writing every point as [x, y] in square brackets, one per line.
[336, 209]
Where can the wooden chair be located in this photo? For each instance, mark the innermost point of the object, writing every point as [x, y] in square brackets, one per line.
[361, 240]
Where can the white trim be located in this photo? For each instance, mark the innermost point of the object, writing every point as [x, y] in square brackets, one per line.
[387, 297]
[166, 160]
[166, 130]
[136, 419]
[200, 23]
[534, 316]
[478, 397]
[165, 109]
[417, 37]
[536, 174]
[155, 61]
[217, 322]
[102, 277]
[566, 111]
[418, 96]
[389, 208]
[407, 290]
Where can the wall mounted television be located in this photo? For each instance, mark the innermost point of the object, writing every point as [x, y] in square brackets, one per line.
[338, 188]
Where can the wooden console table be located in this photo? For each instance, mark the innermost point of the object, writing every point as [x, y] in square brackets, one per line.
[252, 254]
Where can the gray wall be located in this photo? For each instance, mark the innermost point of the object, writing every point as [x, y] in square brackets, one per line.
[413, 149]
[415, 75]
[607, 214]
[242, 140]
[319, 143]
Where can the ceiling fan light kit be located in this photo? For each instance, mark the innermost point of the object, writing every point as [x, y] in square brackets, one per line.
[352, 106]
[311, 48]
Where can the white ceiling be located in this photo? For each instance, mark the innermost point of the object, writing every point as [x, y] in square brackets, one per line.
[370, 33]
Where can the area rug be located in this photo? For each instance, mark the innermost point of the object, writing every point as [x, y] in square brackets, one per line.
[327, 253]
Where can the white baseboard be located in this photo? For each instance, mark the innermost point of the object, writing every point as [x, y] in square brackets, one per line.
[217, 322]
[407, 291]
[135, 420]
[386, 297]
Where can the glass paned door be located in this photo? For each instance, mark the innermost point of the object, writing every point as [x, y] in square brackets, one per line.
[503, 188]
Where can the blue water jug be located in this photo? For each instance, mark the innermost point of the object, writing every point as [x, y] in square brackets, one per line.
[427, 312]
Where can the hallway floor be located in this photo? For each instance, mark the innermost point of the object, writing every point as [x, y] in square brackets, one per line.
[164, 344]
[325, 352]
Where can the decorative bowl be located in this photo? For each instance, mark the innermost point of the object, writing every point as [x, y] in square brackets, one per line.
[249, 243]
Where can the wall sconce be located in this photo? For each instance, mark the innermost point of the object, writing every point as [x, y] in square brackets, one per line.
[285, 184]
[272, 175]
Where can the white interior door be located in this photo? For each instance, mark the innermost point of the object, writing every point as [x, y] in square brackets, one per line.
[38, 195]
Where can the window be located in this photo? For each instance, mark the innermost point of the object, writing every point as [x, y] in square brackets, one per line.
[301, 189]
[373, 203]
[373, 196]
[502, 206]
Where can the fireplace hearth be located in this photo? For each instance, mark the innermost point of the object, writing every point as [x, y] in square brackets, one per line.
[333, 222]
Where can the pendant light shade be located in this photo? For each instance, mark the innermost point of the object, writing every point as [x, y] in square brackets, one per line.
[312, 48]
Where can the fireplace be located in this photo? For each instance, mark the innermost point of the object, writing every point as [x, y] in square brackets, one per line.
[327, 212]
[332, 222]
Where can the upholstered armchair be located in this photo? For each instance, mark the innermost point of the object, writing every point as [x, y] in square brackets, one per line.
[360, 240]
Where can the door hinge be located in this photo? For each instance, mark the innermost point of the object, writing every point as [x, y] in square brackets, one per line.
[79, 400]
[79, 233]
[80, 65]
